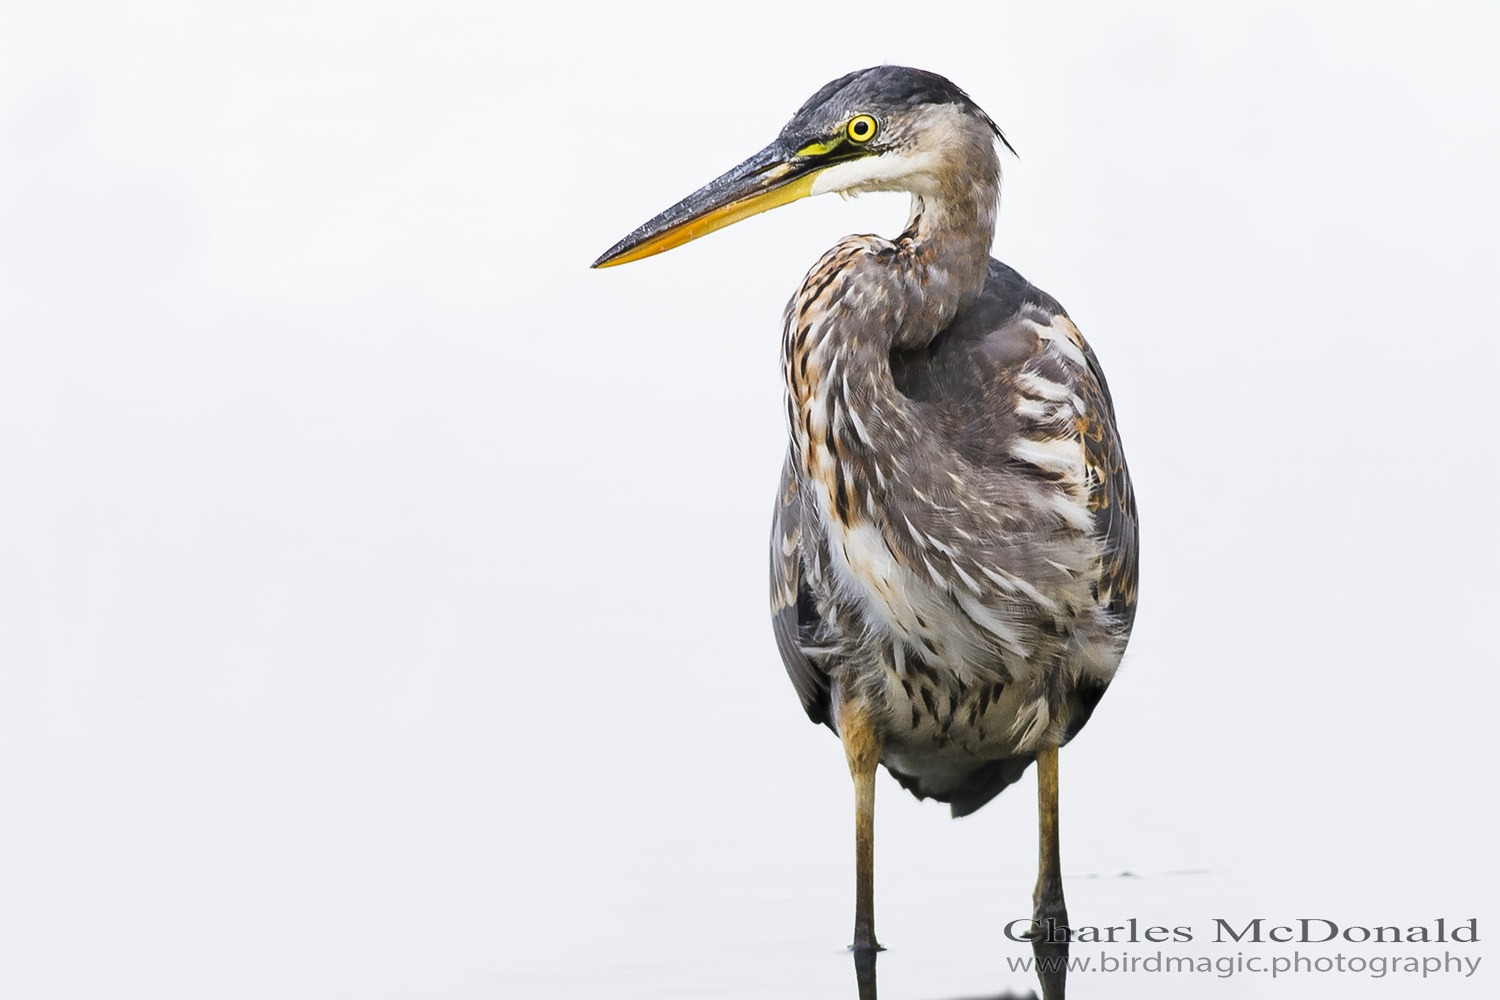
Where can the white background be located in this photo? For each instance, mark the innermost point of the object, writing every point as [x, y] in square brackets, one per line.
[382, 599]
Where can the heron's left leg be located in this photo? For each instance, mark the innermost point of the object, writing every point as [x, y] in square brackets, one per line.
[862, 746]
[1050, 937]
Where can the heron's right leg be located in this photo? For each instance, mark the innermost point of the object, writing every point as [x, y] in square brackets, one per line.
[862, 748]
[1050, 912]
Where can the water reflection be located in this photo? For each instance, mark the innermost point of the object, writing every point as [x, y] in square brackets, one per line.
[1049, 944]
[864, 972]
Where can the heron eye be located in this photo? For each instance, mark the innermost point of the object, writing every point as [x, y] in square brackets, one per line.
[861, 128]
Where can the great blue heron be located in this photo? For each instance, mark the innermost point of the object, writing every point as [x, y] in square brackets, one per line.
[953, 558]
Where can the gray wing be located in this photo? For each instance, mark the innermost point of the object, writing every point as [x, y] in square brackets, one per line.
[970, 375]
[1112, 499]
[794, 615]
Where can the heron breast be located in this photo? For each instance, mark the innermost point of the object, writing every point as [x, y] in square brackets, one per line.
[866, 562]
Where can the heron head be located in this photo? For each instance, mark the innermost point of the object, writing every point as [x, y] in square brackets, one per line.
[887, 128]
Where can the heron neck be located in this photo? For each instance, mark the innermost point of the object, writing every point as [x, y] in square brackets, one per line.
[858, 304]
[945, 255]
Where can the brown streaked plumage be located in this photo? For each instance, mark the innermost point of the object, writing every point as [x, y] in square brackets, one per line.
[953, 558]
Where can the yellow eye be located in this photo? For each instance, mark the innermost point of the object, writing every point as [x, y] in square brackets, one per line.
[861, 128]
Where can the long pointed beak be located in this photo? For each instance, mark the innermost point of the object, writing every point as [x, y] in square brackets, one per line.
[771, 178]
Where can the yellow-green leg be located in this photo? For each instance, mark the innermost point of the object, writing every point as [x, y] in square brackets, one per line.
[1050, 941]
[862, 748]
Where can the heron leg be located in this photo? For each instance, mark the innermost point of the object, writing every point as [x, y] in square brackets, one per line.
[862, 748]
[1049, 942]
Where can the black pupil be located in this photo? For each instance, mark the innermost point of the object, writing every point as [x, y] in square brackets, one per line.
[861, 129]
